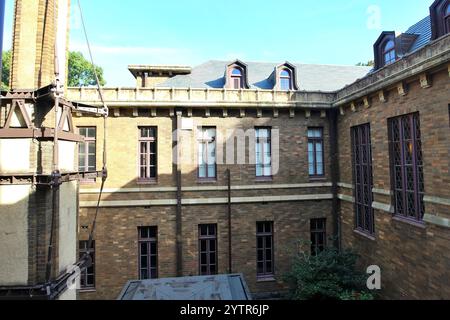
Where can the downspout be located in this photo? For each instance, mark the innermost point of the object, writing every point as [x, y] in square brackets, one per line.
[332, 116]
[230, 257]
[179, 239]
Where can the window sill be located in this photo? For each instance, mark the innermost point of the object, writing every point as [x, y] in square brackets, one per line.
[207, 181]
[414, 223]
[318, 178]
[88, 182]
[147, 182]
[87, 290]
[266, 279]
[264, 179]
[364, 235]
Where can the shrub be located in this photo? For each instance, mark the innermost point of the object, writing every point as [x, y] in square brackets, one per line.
[330, 275]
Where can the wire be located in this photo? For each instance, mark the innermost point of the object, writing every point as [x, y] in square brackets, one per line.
[106, 111]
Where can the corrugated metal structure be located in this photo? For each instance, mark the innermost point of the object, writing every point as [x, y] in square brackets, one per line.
[219, 287]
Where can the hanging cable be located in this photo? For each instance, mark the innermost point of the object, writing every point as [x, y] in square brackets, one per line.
[106, 111]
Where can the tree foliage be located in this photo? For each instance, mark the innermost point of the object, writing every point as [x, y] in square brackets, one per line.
[330, 275]
[6, 68]
[81, 71]
[369, 63]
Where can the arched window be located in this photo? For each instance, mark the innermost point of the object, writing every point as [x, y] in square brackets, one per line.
[236, 78]
[285, 80]
[447, 19]
[389, 52]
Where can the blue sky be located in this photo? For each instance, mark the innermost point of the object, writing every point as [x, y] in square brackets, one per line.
[191, 32]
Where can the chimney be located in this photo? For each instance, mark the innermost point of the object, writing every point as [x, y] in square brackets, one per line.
[37, 24]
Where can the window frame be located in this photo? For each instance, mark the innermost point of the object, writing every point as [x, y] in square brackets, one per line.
[315, 141]
[82, 250]
[264, 235]
[288, 78]
[205, 142]
[447, 18]
[363, 178]
[148, 241]
[239, 78]
[384, 52]
[148, 154]
[400, 194]
[262, 164]
[207, 239]
[87, 141]
[316, 232]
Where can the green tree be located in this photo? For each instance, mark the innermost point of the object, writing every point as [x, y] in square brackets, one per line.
[81, 71]
[369, 63]
[6, 67]
[330, 275]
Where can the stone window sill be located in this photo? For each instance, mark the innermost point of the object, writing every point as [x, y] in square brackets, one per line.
[92, 290]
[147, 182]
[414, 223]
[365, 235]
[207, 181]
[266, 279]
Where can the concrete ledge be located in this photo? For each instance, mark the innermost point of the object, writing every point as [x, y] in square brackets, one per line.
[382, 192]
[383, 207]
[437, 200]
[210, 188]
[173, 202]
[438, 221]
[345, 185]
[346, 198]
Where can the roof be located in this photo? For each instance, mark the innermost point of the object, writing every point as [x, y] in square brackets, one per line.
[310, 77]
[175, 70]
[423, 30]
[219, 287]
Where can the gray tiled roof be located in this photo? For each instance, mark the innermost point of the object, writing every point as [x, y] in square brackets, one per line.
[423, 29]
[310, 77]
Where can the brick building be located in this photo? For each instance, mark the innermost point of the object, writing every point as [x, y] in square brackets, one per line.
[352, 153]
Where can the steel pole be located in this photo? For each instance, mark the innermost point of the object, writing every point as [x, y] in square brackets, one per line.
[2, 18]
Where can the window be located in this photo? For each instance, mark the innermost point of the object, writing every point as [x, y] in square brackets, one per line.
[318, 235]
[362, 178]
[207, 243]
[263, 152]
[207, 153]
[148, 253]
[147, 153]
[236, 78]
[389, 52]
[87, 150]
[315, 152]
[285, 80]
[265, 255]
[407, 166]
[87, 278]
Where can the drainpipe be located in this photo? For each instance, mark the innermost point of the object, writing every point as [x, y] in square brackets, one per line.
[230, 258]
[179, 239]
[2, 18]
[332, 116]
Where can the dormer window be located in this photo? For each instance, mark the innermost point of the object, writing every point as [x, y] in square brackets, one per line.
[285, 80]
[389, 52]
[440, 18]
[236, 78]
[284, 77]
